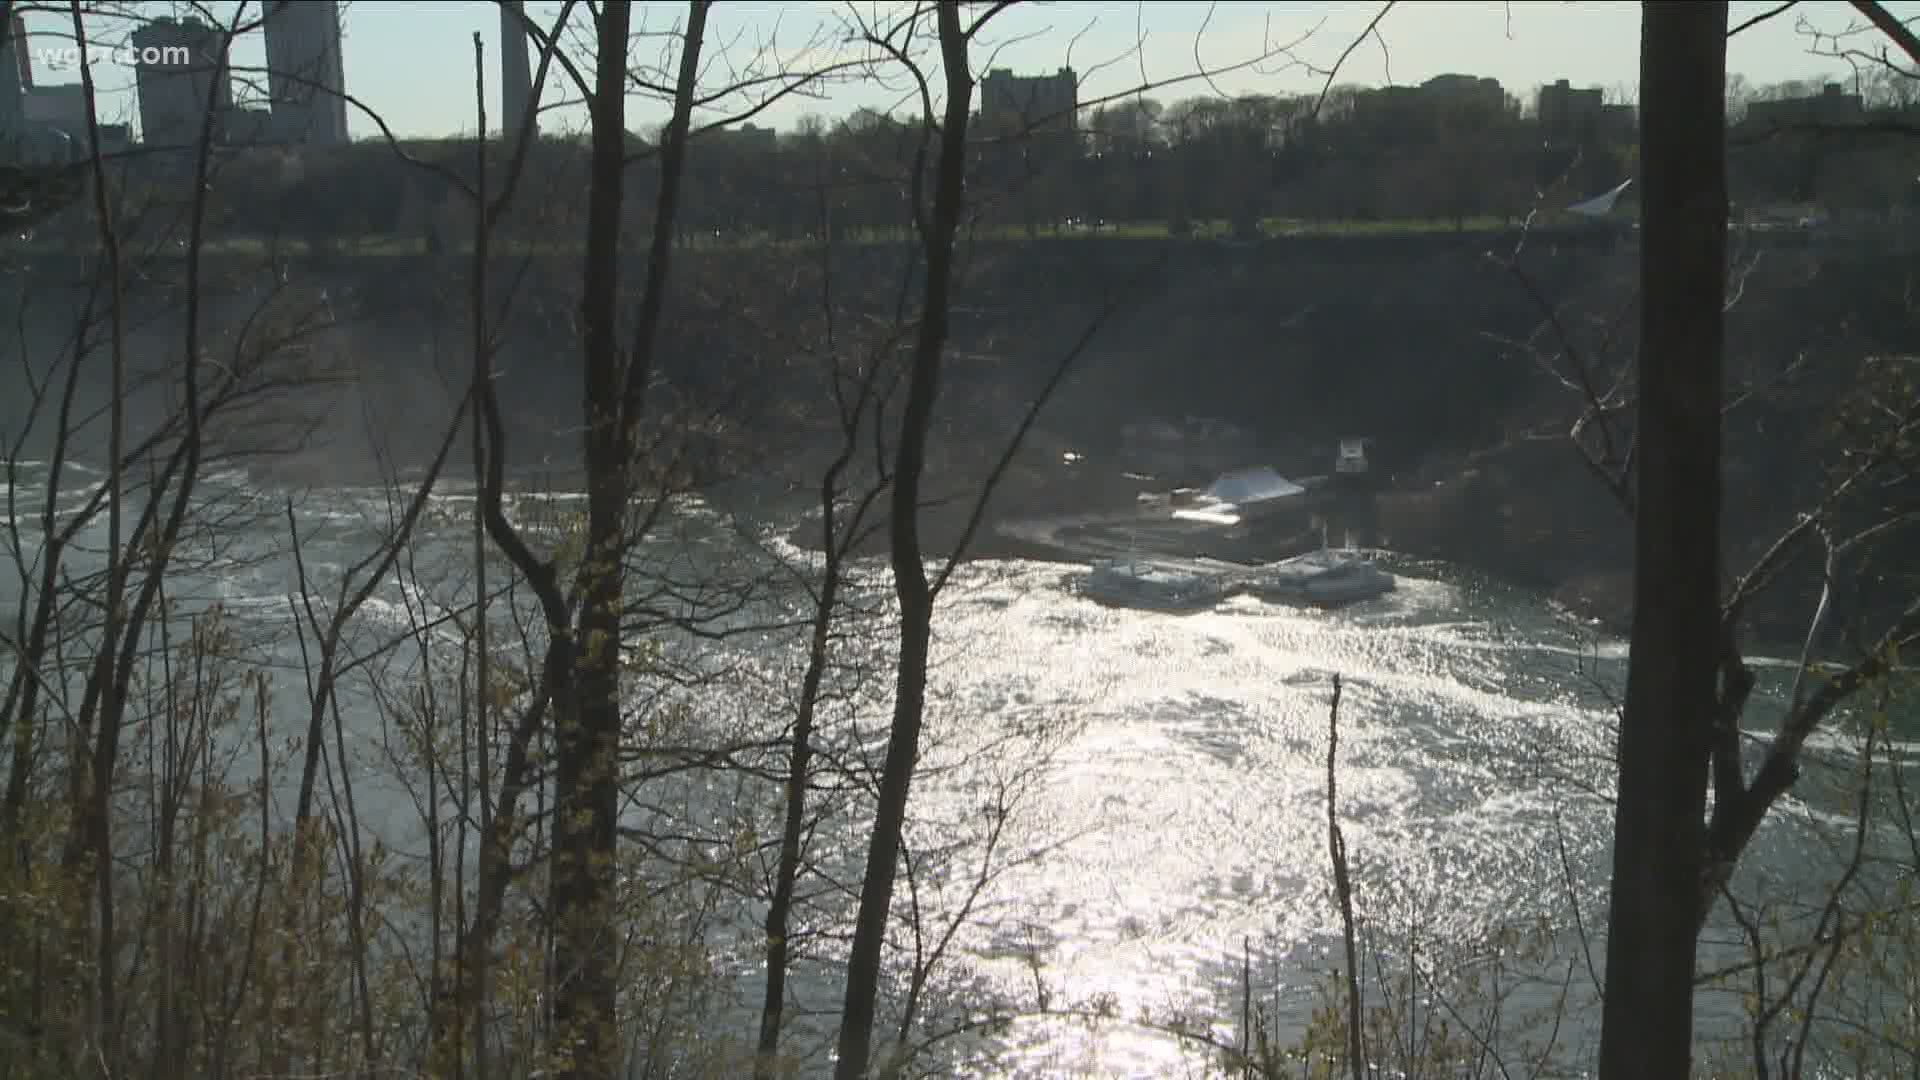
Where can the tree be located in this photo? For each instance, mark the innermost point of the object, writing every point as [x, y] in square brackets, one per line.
[939, 161]
[1672, 705]
[1681, 731]
[62, 824]
[914, 591]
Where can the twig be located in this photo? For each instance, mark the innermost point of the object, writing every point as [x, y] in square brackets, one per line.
[1884, 21]
[1343, 888]
[1573, 897]
[1373, 28]
[1246, 1005]
[1750, 23]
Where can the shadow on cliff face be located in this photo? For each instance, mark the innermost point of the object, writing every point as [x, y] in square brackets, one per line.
[1424, 346]
[1445, 357]
[1297, 344]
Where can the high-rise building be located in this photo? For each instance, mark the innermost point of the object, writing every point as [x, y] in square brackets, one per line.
[305, 79]
[58, 105]
[1568, 115]
[1832, 107]
[1473, 94]
[41, 124]
[22, 52]
[1030, 103]
[181, 69]
[14, 78]
[516, 74]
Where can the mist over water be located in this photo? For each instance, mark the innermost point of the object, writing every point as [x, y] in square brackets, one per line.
[1152, 786]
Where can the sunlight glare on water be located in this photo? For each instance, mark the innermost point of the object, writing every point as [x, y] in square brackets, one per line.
[1183, 812]
[1165, 775]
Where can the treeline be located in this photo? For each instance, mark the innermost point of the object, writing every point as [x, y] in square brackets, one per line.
[1204, 164]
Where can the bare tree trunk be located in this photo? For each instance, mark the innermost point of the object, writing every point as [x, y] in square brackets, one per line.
[1659, 832]
[909, 571]
[779, 921]
[107, 744]
[473, 963]
[586, 770]
[1343, 892]
[104, 705]
[502, 817]
[587, 736]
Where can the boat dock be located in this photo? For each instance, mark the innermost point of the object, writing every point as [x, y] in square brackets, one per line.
[1324, 578]
[1153, 534]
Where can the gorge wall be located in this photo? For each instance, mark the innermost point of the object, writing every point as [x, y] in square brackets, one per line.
[1416, 340]
[1436, 345]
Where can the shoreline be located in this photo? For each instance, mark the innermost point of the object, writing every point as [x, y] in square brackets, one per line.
[991, 545]
[1595, 598]
[1410, 523]
[1469, 517]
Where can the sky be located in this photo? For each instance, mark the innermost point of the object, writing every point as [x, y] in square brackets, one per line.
[412, 62]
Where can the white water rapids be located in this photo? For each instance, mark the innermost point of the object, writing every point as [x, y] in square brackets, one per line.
[1167, 776]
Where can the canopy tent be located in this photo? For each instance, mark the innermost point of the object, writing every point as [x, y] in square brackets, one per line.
[1251, 485]
[1602, 204]
[1242, 489]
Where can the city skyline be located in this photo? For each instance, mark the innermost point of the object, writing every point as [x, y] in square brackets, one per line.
[413, 62]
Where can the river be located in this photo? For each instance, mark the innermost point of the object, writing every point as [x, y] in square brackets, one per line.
[1163, 779]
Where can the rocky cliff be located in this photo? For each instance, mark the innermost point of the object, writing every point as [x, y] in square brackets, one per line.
[1450, 350]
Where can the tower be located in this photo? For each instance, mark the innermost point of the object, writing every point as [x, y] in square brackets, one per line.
[180, 69]
[15, 78]
[516, 75]
[22, 52]
[304, 75]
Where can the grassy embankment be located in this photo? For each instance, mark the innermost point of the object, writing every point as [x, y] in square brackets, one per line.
[1271, 228]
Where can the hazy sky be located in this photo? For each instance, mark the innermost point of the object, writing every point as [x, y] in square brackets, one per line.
[413, 61]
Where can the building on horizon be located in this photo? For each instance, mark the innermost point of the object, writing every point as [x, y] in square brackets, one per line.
[1030, 103]
[305, 81]
[249, 125]
[1570, 116]
[1831, 107]
[22, 52]
[43, 124]
[516, 74]
[58, 105]
[182, 68]
[12, 93]
[1442, 104]
[759, 139]
[1471, 92]
[16, 79]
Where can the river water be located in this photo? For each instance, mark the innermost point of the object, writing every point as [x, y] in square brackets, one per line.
[1164, 779]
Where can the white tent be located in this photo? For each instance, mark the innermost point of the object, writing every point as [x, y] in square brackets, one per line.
[1222, 501]
[1602, 204]
[1251, 485]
